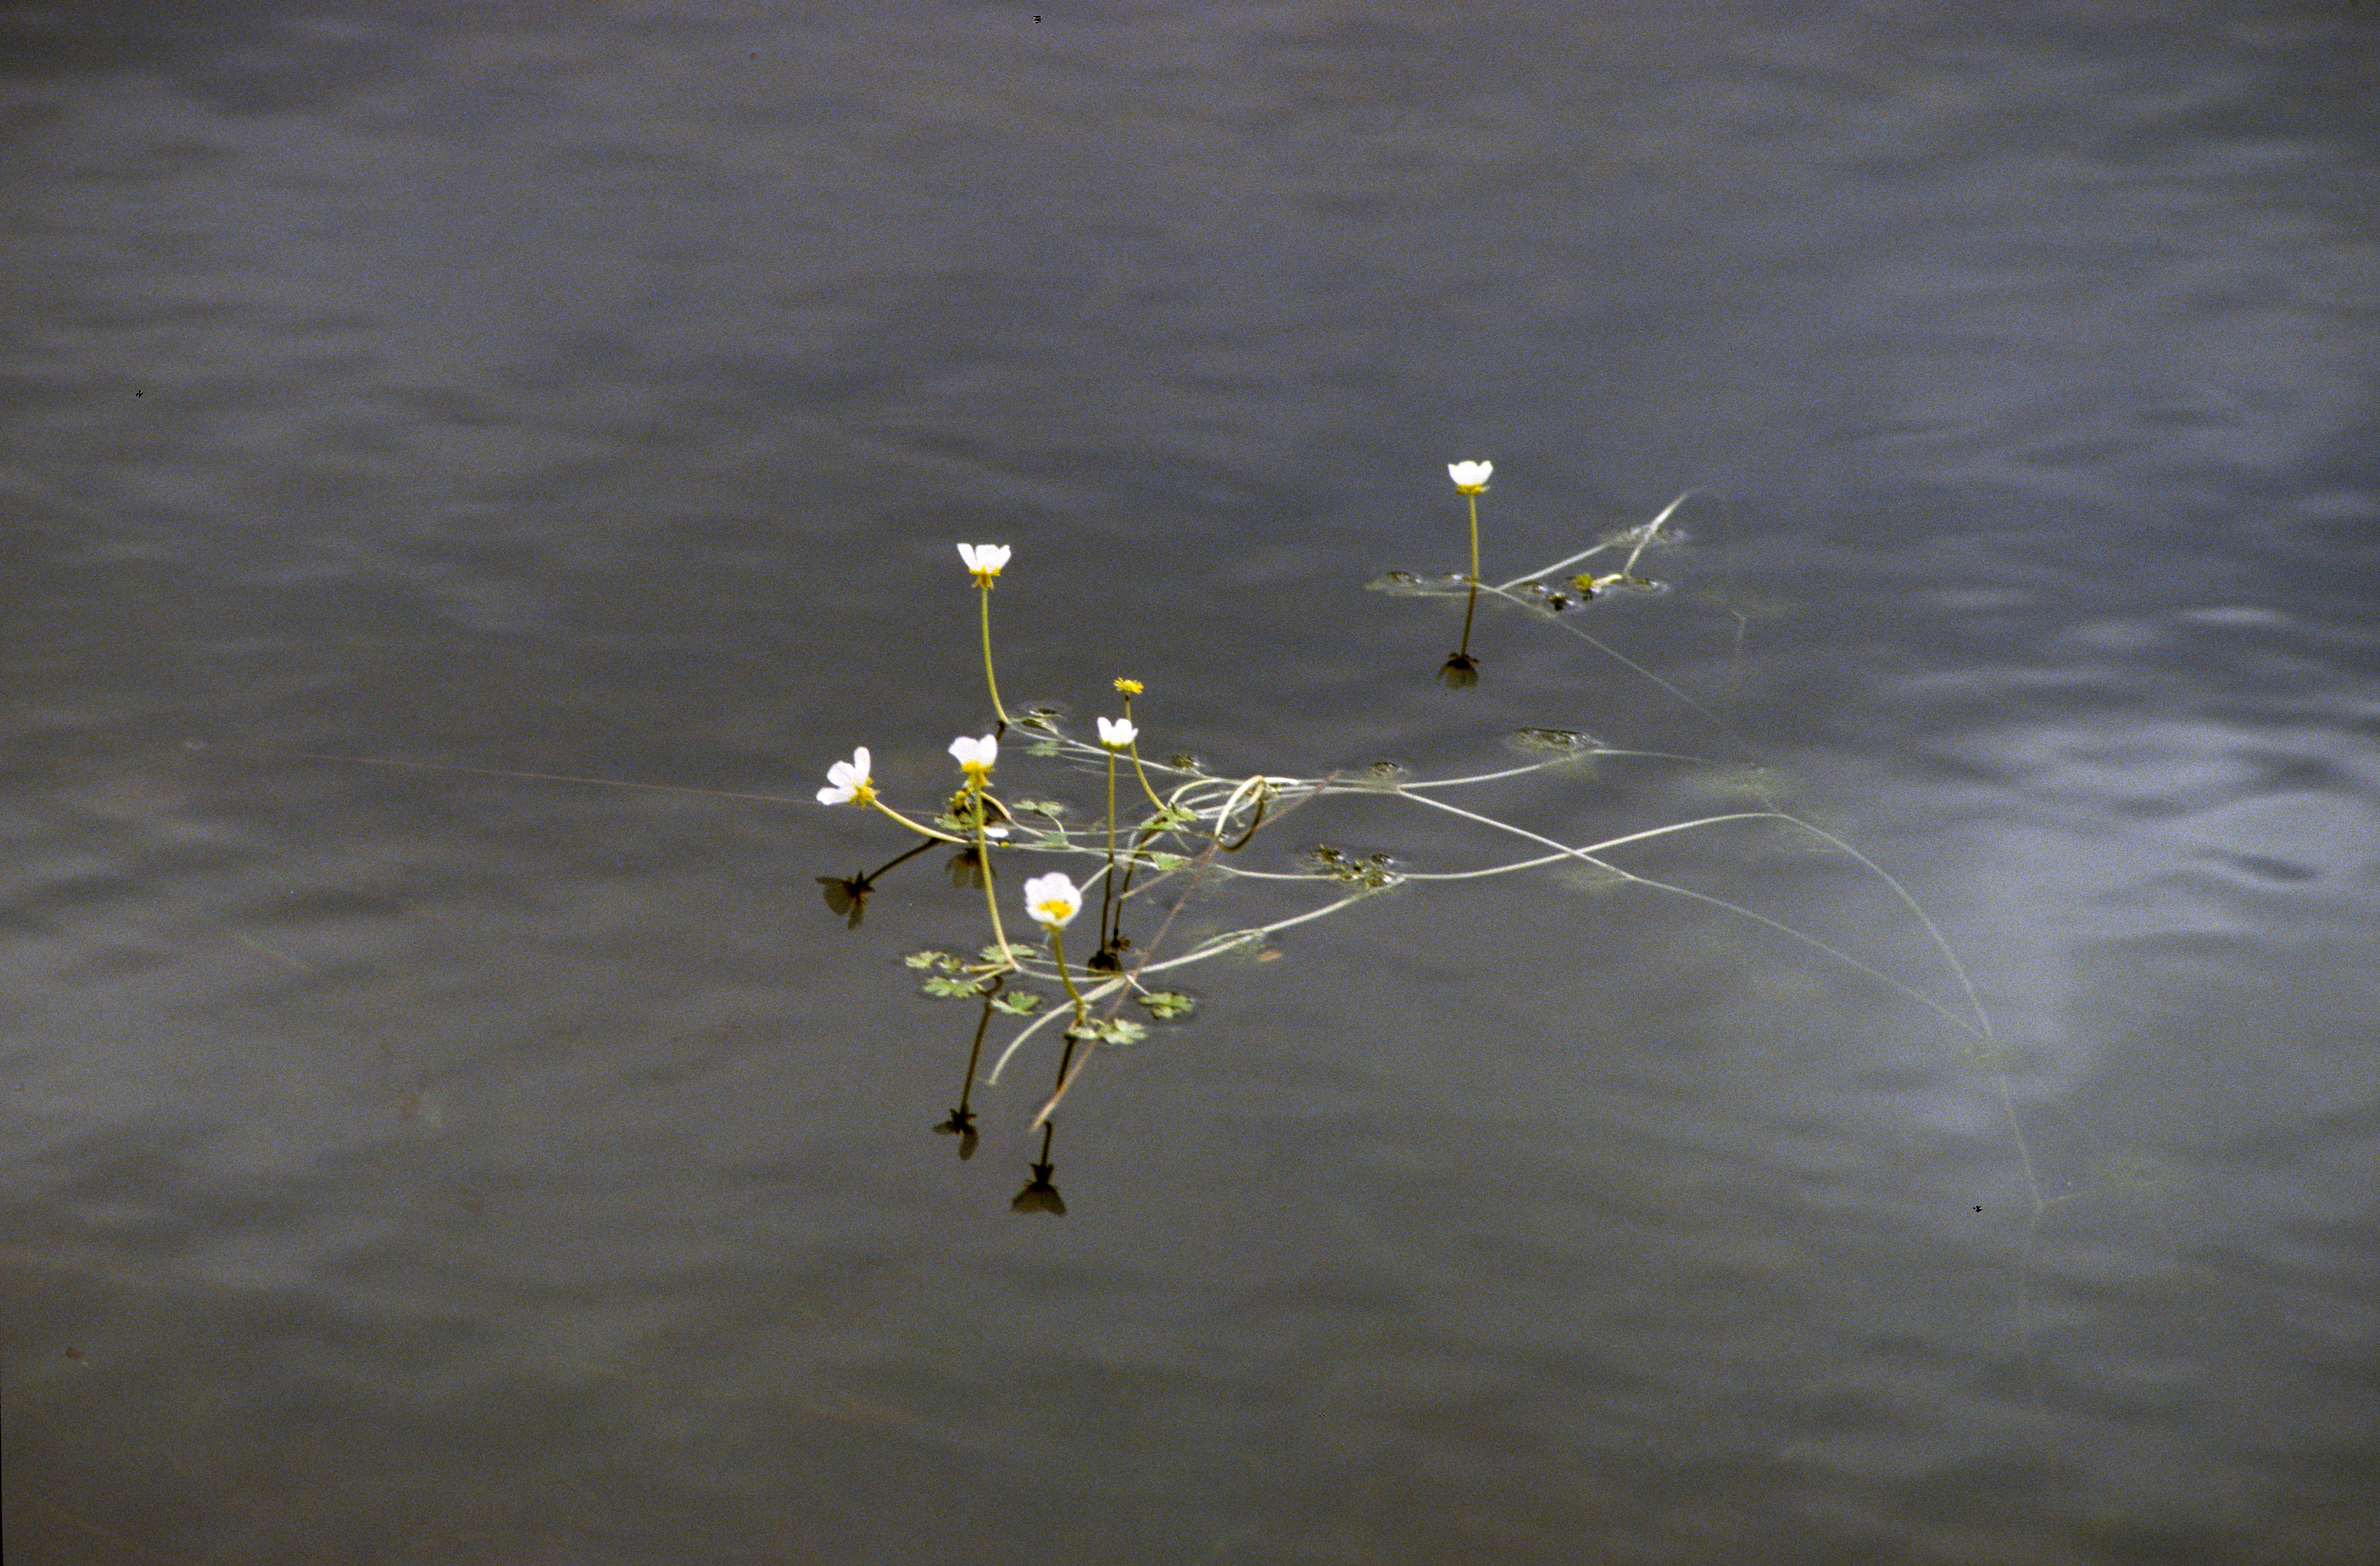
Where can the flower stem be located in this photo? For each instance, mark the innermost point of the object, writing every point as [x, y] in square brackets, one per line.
[983, 857]
[1107, 882]
[922, 832]
[1142, 773]
[1472, 607]
[1058, 952]
[1138, 770]
[989, 681]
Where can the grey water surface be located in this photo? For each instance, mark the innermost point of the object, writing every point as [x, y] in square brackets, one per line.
[411, 1160]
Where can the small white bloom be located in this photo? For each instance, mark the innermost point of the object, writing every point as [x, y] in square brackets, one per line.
[984, 560]
[976, 757]
[1117, 733]
[1470, 478]
[1053, 898]
[850, 781]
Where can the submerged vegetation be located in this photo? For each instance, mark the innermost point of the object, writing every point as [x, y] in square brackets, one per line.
[1166, 828]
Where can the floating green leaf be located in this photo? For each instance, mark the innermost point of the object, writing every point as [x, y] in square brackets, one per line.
[1017, 1002]
[1168, 1004]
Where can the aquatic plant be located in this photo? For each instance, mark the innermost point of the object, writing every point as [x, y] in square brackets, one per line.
[1190, 824]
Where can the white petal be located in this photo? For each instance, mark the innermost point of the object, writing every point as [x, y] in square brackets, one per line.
[984, 752]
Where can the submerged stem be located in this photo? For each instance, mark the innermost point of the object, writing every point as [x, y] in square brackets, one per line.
[1593, 550]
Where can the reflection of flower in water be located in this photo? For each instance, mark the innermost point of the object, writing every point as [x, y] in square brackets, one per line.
[962, 1125]
[847, 895]
[1039, 1195]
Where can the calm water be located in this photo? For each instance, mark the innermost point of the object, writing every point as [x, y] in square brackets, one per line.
[411, 1164]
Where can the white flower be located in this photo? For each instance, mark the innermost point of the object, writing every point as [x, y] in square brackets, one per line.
[984, 560]
[1117, 733]
[1053, 898]
[977, 756]
[1470, 478]
[850, 781]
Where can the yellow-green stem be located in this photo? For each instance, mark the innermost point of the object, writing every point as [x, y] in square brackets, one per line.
[990, 682]
[922, 832]
[983, 857]
[1107, 885]
[1058, 955]
[1141, 773]
[1138, 770]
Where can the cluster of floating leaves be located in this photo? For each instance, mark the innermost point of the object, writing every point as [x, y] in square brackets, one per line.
[949, 976]
[1551, 598]
[1374, 870]
[1414, 584]
[1586, 589]
[1552, 742]
[946, 976]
